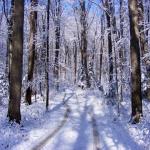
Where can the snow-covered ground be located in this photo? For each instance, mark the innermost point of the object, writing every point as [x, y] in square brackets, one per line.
[77, 120]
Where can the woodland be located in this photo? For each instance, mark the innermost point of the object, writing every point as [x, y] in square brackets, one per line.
[76, 73]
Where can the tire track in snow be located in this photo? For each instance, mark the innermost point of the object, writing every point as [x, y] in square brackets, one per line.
[95, 134]
[41, 144]
[96, 138]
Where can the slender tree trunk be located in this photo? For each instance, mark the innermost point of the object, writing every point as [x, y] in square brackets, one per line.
[57, 44]
[32, 50]
[75, 61]
[66, 54]
[43, 54]
[83, 45]
[47, 57]
[110, 56]
[136, 96]
[121, 50]
[101, 49]
[16, 66]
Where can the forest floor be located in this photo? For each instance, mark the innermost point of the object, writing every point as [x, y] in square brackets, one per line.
[77, 120]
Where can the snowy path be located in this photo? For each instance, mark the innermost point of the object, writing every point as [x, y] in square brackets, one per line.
[77, 120]
[61, 124]
[77, 133]
[90, 127]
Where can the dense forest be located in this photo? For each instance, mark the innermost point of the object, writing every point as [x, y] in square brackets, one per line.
[90, 48]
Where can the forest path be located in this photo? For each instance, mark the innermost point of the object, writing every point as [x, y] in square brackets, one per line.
[88, 125]
[41, 144]
[78, 129]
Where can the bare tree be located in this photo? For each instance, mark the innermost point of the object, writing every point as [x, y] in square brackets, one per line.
[16, 65]
[108, 5]
[101, 49]
[47, 56]
[32, 50]
[136, 97]
[75, 52]
[121, 50]
[57, 43]
[83, 44]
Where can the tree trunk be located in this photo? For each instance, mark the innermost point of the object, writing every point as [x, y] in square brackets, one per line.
[101, 49]
[47, 57]
[57, 44]
[16, 65]
[32, 50]
[83, 45]
[110, 56]
[136, 97]
[121, 51]
[43, 55]
[75, 61]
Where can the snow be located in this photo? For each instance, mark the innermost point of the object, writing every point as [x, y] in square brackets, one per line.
[74, 131]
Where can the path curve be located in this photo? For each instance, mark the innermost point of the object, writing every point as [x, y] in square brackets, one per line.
[41, 144]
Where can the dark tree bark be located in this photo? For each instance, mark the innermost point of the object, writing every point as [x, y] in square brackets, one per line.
[66, 54]
[57, 43]
[32, 50]
[136, 96]
[43, 55]
[121, 50]
[16, 66]
[83, 46]
[108, 4]
[47, 57]
[101, 49]
[75, 61]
